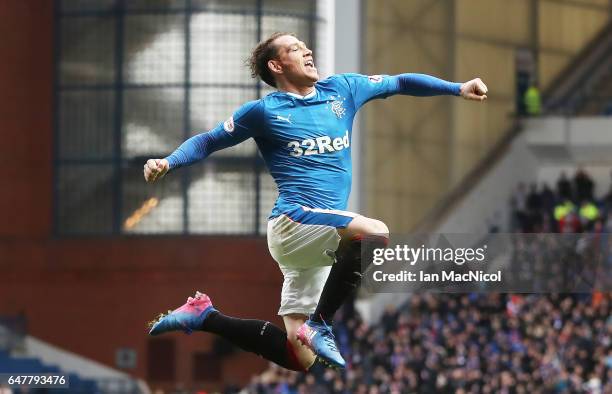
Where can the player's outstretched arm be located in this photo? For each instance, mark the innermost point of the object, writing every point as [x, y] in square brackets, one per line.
[155, 169]
[427, 85]
[242, 125]
[191, 151]
[365, 88]
[474, 89]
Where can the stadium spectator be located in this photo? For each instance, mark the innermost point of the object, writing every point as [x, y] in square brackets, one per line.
[548, 207]
[534, 209]
[564, 187]
[583, 185]
[533, 102]
[566, 217]
[589, 214]
[548, 198]
[518, 203]
[607, 200]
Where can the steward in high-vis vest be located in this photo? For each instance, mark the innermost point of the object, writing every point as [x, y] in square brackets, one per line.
[533, 103]
[589, 213]
[566, 217]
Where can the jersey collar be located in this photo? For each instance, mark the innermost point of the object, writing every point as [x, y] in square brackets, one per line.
[309, 95]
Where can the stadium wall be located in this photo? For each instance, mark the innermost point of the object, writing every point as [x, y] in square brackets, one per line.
[93, 296]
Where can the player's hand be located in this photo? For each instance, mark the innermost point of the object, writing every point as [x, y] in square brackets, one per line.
[155, 169]
[474, 90]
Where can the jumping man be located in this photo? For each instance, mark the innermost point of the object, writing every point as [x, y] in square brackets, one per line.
[303, 131]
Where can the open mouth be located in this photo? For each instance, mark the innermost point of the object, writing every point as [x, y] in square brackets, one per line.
[309, 64]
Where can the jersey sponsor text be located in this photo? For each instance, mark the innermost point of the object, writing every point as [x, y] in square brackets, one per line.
[319, 145]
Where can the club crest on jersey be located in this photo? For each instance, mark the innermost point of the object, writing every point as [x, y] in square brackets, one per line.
[338, 108]
[375, 78]
[228, 125]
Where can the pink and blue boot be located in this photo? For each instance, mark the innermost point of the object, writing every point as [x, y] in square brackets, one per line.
[187, 318]
[319, 338]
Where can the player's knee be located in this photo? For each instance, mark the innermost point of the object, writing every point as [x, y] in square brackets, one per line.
[380, 228]
[362, 225]
[375, 227]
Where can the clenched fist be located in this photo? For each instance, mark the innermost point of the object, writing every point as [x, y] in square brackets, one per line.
[474, 90]
[154, 169]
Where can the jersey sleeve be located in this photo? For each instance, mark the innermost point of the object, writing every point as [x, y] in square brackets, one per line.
[364, 88]
[245, 123]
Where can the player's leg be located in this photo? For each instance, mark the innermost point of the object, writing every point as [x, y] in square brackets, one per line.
[303, 354]
[357, 233]
[360, 236]
[257, 336]
[301, 290]
[304, 244]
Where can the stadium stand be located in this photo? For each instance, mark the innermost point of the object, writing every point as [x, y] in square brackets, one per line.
[472, 343]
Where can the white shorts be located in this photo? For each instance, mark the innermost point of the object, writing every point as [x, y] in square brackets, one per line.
[303, 242]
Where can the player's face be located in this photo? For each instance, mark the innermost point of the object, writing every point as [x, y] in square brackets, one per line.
[296, 61]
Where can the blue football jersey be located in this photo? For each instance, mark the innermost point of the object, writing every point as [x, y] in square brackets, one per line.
[305, 141]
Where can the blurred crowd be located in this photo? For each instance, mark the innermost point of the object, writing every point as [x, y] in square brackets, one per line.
[475, 343]
[570, 208]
